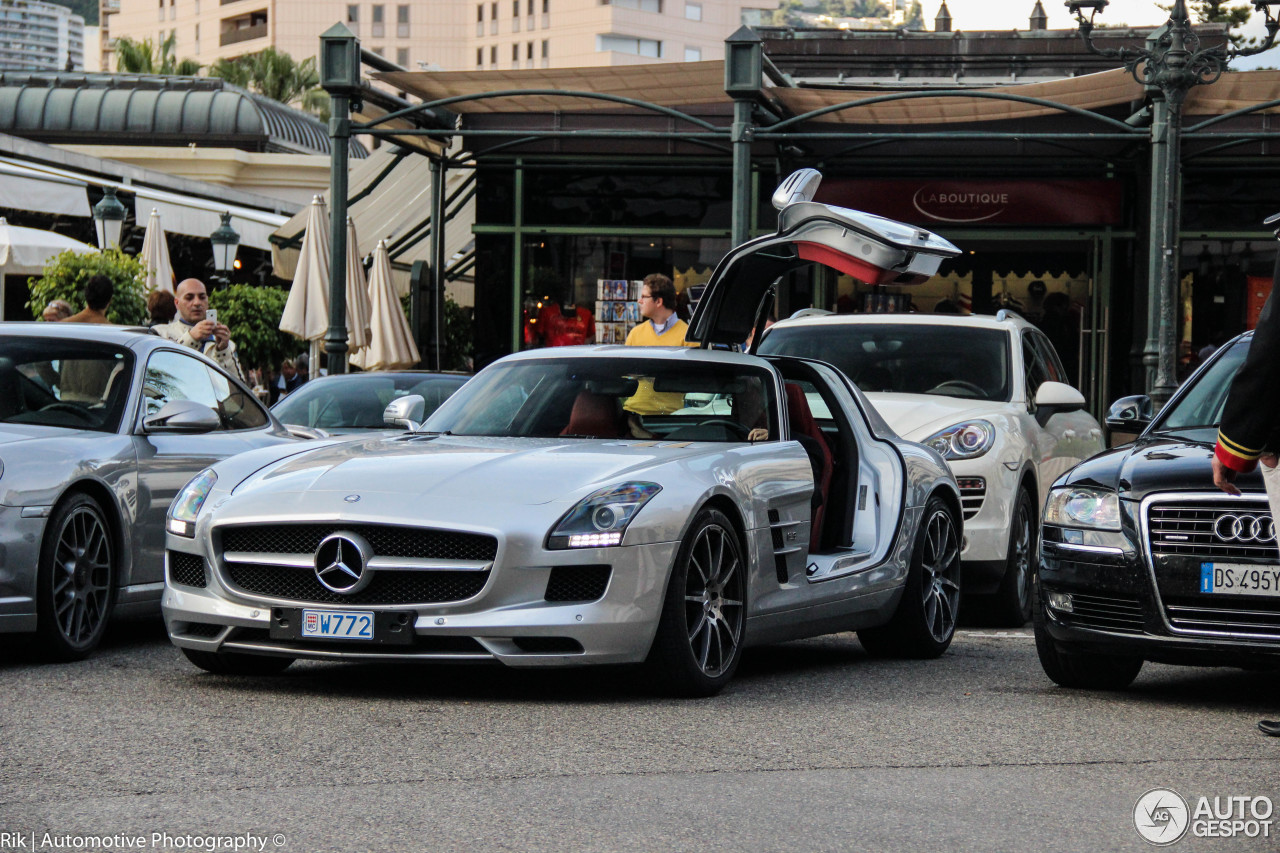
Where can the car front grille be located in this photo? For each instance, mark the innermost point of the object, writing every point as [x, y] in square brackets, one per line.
[1196, 529]
[186, 569]
[577, 583]
[1120, 614]
[1255, 617]
[386, 540]
[386, 587]
[973, 491]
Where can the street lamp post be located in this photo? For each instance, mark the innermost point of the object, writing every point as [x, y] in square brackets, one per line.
[340, 77]
[1169, 66]
[225, 241]
[108, 219]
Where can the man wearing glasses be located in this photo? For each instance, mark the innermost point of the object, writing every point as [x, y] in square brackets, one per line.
[658, 307]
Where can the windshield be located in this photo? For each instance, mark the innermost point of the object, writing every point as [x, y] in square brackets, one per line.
[947, 360]
[358, 401]
[63, 383]
[1203, 402]
[641, 398]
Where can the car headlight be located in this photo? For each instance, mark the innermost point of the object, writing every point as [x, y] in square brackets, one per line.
[1076, 506]
[963, 441]
[600, 519]
[186, 506]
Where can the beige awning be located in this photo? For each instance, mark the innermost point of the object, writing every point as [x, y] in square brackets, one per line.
[389, 198]
[668, 84]
[1235, 91]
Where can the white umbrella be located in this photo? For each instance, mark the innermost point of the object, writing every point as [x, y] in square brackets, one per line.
[306, 313]
[155, 254]
[358, 307]
[391, 344]
[25, 251]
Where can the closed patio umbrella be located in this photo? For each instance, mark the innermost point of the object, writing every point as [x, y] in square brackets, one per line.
[155, 254]
[306, 312]
[358, 306]
[391, 344]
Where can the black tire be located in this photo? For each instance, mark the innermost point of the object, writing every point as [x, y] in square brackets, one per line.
[231, 663]
[1081, 670]
[700, 632]
[76, 580]
[1012, 605]
[925, 621]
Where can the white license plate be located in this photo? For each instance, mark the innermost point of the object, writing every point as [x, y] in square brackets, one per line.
[1239, 579]
[338, 624]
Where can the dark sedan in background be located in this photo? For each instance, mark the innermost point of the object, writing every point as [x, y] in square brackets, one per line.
[354, 402]
[1142, 558]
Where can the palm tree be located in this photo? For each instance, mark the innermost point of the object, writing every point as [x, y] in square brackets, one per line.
[145, 57]
[278, 76]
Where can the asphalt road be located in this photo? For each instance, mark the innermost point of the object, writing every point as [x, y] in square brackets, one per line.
[815, 747]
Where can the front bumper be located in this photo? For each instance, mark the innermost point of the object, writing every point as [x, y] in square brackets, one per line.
[509, 621]
[1118, 609]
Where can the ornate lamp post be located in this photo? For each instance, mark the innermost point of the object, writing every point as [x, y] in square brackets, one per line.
[108, 219]
[1169, 66]
[225, 241]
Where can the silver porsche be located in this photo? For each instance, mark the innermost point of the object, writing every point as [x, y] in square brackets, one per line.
[593, 505]
[100, 426]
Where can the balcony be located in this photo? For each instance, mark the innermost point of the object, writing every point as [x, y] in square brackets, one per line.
[257, 31]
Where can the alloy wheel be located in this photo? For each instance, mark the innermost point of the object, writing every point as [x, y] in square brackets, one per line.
[81, 576]
[940, 583]
[713, 600]
[1022, 558]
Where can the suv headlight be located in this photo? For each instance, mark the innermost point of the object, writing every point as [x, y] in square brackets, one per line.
[1076, 506]
[600, 519]
[963, 441]
[186, 506]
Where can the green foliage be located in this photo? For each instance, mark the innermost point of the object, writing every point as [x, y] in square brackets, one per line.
[276, 75]
[66, 275]
[147, 57]
[915, 16]
[459, 336]
[788, 13]
[87, 9]
[253, 316]
[1230, 12]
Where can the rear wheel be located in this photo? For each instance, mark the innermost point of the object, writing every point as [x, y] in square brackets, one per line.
[75, 587]
[925, 621]
[1013, 599]
[1082, 670]
[231, 663]
[699, 639]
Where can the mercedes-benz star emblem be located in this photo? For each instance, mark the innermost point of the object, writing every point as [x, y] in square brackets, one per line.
[1245, 528]
[352, 499]
[342, 563]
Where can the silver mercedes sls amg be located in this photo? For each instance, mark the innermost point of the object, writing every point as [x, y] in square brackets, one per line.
[592, 505]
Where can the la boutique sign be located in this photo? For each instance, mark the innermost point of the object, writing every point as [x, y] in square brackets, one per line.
[982, 202]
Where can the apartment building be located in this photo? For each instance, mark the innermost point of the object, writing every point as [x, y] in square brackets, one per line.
[452, 35]
[37, 36]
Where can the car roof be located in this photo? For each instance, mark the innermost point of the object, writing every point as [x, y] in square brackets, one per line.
[1005, 320]
[619, 351]
[103, 332]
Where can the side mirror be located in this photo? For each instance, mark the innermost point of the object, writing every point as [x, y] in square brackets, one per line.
[405, 412]
[1054, 398]
[1127, 418]
[183, 416]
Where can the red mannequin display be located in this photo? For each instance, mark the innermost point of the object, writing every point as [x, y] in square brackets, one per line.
[565, 325]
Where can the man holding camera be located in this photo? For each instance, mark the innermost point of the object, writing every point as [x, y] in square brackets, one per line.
[197, 326]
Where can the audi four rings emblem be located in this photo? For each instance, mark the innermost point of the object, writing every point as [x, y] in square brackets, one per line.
[1245, 528]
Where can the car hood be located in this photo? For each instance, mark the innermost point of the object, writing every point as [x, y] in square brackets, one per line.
[918, 416]
[15, 433]
[523, 471]
[1161, 462]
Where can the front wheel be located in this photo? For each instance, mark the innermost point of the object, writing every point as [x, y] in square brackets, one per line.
[75, 586]
[925, 621]
[700, 632]
[231, 663]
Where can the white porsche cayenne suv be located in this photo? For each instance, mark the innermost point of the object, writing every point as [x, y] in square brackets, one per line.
[989, 394]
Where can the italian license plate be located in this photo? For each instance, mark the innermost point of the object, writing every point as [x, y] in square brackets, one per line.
[1239, 579]
[338, 624]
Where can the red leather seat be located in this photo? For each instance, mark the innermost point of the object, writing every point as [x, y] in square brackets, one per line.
[805, 430]
[593, 414]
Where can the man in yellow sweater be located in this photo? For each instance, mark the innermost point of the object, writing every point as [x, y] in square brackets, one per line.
[661, 328]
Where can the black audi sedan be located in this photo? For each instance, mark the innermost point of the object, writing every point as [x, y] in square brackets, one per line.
[1142, 558]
